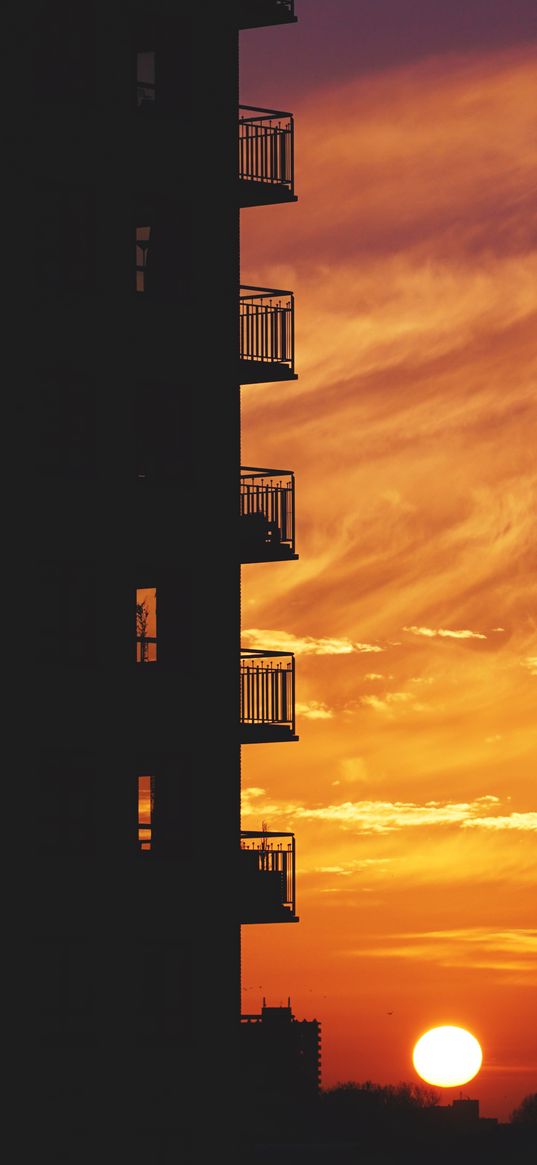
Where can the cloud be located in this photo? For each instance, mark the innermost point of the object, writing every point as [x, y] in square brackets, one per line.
[383, 817]
[314, 710]
[410, 430]
[373, 675]
[249, 800]
[525, 822]
[351, 867]
[512, 950]
[266, 640]
[386, 704]
[390, 816]
[442, 633]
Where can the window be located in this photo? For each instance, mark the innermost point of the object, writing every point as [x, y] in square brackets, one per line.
[146, 793]
[143, 235]
[146, 625]
[145, 80]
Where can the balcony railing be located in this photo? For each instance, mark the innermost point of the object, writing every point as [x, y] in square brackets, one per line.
[266, 155]
[267, 514]
[267, 885]
[146, 649]
[267, 334]
[267, 696]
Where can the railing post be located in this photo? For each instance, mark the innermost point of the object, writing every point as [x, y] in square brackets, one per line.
[292, 150]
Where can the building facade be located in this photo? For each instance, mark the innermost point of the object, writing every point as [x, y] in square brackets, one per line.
[132, 337]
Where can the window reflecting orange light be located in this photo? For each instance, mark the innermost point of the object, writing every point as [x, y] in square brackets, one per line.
[146, 625]
[145, 811]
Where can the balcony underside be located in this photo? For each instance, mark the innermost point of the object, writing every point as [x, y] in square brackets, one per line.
[266, 553]
[264, 372]
[263, 13]
[277, 914]
[266, 733]
[252, 193]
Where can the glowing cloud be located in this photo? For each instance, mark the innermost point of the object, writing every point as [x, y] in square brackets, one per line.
[526, 822]
[442, 633]
[477, 947]
[305, 645]
[314, 710]
[386, 704]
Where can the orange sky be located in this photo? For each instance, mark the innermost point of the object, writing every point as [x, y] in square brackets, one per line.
[413, 608]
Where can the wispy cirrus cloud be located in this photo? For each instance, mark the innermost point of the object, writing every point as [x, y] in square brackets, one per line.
[267, 640]
[388, 817]
[410, 430]
[444, 633]
[480, 947]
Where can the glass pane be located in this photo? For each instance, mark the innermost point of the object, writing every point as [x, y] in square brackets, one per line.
[145, 811]
[146, 625]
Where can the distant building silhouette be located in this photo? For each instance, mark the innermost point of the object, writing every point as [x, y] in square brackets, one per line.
[280, 1065]
[460, 1116]
[281, 1055]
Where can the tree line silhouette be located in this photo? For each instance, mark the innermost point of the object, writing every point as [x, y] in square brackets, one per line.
[385, 1125]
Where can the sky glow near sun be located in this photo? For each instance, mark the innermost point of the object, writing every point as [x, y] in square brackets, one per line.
[412, 610]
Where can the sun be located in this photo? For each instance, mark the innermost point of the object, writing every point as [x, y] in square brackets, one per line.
[447, 1056]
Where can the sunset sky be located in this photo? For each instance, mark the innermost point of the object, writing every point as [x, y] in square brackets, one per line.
[412, 430]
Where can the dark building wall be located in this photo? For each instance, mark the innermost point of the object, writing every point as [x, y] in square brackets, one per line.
[123, 950]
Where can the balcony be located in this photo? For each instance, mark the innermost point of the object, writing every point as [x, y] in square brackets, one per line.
[267, 696]
[267, 884]
[267, 515]
[262, 13]
[266, 156]
[267, 335]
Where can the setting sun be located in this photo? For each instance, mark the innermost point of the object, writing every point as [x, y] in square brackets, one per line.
[447, 1056]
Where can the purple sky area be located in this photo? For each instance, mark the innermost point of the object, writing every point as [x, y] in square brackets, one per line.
[335, 40]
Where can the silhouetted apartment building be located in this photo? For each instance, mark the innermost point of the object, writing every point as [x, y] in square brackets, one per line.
[133, 336]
